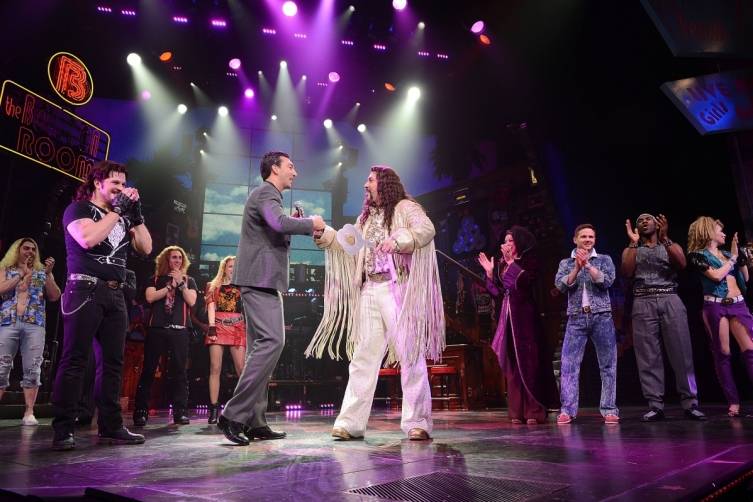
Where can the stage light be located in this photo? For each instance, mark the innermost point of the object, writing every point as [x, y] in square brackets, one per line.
[349, 43]
[414, 93]
[218, 23]
[128, 12]
[205, 134]
[423, 53]
[442, 56]
[182, 109]
[259, 73]
[269, 31]
[389, 86]
[180, 19]
[166, 56]
[146, 95]
[327, 123]
[105, 9]
[274, 117]
[334, 77]
[133, 59]
[289, 8]
[304, 77]
[234, 63]
[339, 147]
[248, 93]
[485, 40]
[339, 164]
[201, 151]
[222, 111]
[379, 47]
[352, 8]
[283, 64]
[361, 128]
[399, 4]
[192, 84]
[421, 25]
[477, 27]
[301, 36]
[358, 103]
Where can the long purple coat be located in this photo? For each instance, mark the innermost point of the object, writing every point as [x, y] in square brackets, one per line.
[519, 320]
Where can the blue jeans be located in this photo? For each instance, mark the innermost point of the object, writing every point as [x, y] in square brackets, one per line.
[31, 339]
[600, 328]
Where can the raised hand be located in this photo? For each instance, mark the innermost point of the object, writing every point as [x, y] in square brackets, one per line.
[48, 264]
[662, 227]
[486, 263]
[507, 253]
[177, 277]
[734, 250]
[632, 233]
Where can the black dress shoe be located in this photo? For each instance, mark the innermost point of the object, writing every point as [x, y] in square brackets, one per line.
[120, 436]
[140, 417]
[63, 442]
[233, 431]
[693, 413]
[180, 418]
[264, 433]
[653, 415]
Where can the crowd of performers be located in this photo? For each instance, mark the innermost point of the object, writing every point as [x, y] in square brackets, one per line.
[382, 300]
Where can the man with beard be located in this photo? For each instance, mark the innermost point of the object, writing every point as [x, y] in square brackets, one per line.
[261, 271]
[652, 261]
[386, 300]
[100, 224]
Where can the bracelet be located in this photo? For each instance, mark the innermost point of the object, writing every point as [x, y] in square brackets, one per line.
[633, 245]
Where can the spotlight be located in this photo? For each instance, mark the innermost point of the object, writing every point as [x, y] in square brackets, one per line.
[485, 40]
[352, 8]
[339, 164]
[166, 56]
[390, 86]
[328, 123]
[259, 72]
[289, 8]
[222, 111]
[334, 77]
[421, 25]
[205, 134]
[304, 77]
[414, 93]
[201, 151]
[399, 4]
[477, 27]
[361, 128]
[146, 95]
[182, 109]
[339, 147]
[192, 84]
[283, 64]
[218, 23]
[358, 103]
[133, 59]
[249, 93]
[234, 63]
[274, 117]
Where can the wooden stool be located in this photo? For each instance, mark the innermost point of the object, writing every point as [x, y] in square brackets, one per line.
[393, 378]
[449, 383]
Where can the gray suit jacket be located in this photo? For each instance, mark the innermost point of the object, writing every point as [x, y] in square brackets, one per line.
[262, 259]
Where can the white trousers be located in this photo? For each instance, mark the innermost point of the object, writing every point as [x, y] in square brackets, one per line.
[377, 325]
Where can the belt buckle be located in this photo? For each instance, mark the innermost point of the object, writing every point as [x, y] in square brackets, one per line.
[728, 301]
[586, 309]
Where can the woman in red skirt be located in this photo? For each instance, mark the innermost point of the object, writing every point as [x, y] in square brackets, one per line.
[227, 327]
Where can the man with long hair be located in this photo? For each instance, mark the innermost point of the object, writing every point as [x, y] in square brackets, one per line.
[171, 293]
[25, 284]
[262, 272]
[387, 301]
[101, 223]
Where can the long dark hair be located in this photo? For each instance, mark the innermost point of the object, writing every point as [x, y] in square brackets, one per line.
[390, 190]
[524, 240]
[99, 172]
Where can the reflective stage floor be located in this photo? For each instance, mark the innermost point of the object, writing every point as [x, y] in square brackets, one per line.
[474, 455]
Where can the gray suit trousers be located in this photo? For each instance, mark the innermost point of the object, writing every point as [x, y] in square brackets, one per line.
[265, 332]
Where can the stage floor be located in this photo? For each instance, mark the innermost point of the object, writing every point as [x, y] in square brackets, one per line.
[474, 455]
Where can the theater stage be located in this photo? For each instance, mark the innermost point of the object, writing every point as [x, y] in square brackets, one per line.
[473, 456]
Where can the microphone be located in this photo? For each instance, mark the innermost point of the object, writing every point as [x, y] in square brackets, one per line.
[298, 206]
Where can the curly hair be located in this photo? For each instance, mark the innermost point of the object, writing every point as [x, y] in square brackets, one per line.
[700, 232]
[217, 281]
[100, 172]
[524, 240]
[162, 261]
[390, 190]
[11, 256]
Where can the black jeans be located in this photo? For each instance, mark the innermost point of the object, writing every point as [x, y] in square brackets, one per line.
[158, 342]
[93, 315]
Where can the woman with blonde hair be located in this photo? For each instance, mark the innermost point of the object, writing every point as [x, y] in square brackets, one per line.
[25, 284]
[724, 275]
[227, 327]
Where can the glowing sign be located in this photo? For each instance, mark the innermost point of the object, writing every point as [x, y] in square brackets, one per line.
[70, 78]
[720, 102]
[41, 131]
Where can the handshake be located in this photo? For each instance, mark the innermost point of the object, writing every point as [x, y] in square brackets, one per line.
[319, 225]
[127, 203]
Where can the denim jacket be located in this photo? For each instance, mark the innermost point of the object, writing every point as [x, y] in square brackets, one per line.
[598, 292]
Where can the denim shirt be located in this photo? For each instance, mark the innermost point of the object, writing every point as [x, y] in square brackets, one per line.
[703, 260]
[598, 292]
[34, 313]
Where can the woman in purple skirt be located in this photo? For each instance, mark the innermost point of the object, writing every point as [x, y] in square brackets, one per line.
[724, 275]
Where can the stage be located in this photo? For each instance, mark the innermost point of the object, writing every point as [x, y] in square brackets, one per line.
[472, 456]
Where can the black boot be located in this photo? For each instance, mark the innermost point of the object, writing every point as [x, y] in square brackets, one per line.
[140, 416]
[180, 417]
[213, 412]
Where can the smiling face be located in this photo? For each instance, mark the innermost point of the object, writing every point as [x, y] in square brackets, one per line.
[229, 265]
[509, 241]
[285, 172]
[106, 190]
[175, 261]
[585, 239]
[719, 236]
[371, 188]
[27, 253]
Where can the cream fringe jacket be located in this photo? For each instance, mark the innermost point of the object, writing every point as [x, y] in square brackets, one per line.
[420, 325]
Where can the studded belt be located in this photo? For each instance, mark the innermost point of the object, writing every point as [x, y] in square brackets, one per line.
[723, 301]
[91, 278]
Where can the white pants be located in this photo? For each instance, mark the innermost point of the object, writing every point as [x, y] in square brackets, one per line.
[377, 324]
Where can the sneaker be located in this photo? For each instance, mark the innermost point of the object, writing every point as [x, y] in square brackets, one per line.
[693, 413]
[120, 436]
[653, 415]
[611, 419]
[63, 441]
[29, 420]
[564, 419]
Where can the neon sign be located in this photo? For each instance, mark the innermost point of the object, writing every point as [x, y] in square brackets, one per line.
[70, 78]
[39, 130]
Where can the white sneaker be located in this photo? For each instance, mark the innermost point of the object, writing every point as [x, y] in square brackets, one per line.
[29, 420]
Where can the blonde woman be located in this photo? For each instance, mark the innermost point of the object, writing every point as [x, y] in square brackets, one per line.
[724, 279]
[227, 328]
[25, 284]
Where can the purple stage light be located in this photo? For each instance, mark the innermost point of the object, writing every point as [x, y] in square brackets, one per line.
[146, 95]
[231, 74]
[347, 42]
[322, 84]
[289, 8]
[380, 47]
[423, 54]
[333, 77]
[177, 68]
[442, 56]
[180, 19]
[300, 35]
[128, 12]
[218, 23]
[248, 93]
[477, 27]
[104, 9]
[234, 63]
[399, 4]
[269, 31]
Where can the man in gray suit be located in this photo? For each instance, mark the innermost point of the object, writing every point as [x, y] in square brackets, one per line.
[261, 271]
